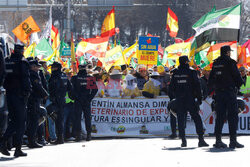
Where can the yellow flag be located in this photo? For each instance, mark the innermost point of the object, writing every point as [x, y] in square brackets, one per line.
[113, 57]
[30, 51]
[176, 50]
[25, 29]
[130, 52]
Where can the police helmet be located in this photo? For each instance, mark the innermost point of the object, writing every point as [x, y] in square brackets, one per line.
[35, 63]
[225, 49]
[56, 65]
[18, 48]
[183, 59]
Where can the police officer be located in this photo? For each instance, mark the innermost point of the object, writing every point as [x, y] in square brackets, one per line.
[58, 86]
[18, 88]
[186, 90]
[37, 94]
[84, 90]
[225, 79]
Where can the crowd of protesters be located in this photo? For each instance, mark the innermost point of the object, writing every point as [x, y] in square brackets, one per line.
[54, 103]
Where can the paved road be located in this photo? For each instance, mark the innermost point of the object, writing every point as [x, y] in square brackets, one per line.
[131, 152]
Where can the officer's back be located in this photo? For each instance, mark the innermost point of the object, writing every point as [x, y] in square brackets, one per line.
[184, 83]
[58, 83]
[17, 69]
[225, 74]
[83, 84]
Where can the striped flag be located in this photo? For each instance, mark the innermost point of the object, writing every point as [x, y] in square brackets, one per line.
[172, 23]
[55, 37]
[218, 25]
[108, 25]
[214, 51]
[95, 46]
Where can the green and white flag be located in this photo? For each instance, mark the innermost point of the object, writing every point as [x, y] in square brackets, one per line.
[43, 49]
[218, 25]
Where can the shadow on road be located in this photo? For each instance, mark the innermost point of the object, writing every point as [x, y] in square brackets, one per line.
[219, 150]
[178, 148]
[6, 158]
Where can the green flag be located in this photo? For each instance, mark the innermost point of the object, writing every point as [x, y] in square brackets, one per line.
[82, 60]
[63, 45]
[43, 49]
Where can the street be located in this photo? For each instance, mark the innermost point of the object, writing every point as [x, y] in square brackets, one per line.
[130, 152]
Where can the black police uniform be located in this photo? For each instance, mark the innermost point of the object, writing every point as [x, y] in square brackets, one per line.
[18, 87]
[185, 87]
[58, 86]
[37, 94]
[225, 78]
[84, 90]
[41, 128]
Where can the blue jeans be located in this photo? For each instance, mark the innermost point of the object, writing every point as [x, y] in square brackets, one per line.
[68, 112]
[51, 123]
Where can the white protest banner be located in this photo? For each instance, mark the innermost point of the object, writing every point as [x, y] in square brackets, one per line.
[142, 117]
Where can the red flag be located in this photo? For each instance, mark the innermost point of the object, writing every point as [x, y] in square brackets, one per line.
[189, 39]
[172, 23]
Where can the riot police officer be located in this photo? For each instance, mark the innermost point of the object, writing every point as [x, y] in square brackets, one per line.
[84, 90]
[18, 88]
[37, 94]
[58, 86]
[186, 90]
[225, 79]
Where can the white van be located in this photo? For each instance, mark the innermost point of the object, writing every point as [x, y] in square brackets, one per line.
[7, 44]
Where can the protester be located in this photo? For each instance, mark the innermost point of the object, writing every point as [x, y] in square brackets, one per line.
[130, 88]
[204, 83]
[141, 76]
[164, 78]
[151, 88]
[245, 88]
[114, 86]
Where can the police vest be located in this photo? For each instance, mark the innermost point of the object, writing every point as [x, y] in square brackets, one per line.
[68, 99]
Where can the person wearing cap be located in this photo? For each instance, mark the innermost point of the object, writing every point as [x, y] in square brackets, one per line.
[99, 82]
[130, 87]
[186, 90]
[84, 90]
[18, 87]
[164, 79]
[225, 79]
[151, 88]
[114, 86]
[37, 94]
[141, 76]
[58, 86]
[204, 82]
